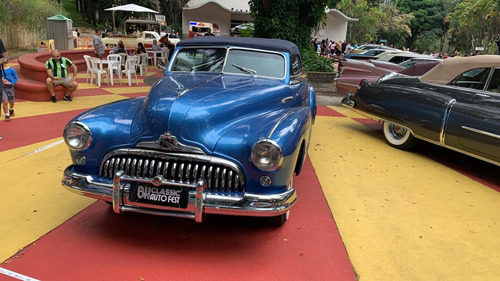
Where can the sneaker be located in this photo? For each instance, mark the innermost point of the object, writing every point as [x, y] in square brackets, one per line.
[7, 117]
[54, 99]
[11, 112]
[67, 98]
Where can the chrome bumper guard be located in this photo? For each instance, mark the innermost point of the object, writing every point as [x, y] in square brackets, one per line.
[347, 101]
[199, 203]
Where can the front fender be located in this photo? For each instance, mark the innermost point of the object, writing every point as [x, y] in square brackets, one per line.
[312, 103]
[288, 127]
[110, 125]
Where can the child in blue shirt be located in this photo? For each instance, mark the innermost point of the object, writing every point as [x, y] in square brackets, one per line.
[9, 77]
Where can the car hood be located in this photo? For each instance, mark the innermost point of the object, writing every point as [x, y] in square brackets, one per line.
[198, 109]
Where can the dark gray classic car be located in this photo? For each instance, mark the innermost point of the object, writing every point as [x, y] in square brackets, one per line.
[456, 105]
[223, 132]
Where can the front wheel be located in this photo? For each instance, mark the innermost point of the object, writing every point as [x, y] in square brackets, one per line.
[399, 136]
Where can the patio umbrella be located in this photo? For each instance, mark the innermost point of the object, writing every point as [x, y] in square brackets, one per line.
[130, 8]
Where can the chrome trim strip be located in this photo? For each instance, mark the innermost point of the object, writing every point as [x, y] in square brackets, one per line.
[488, 80]
[279, 122]
[446, 117]
[481, 132]
[199, 203]
[483, 95]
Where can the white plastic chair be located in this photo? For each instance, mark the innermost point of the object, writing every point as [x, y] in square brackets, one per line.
[115, 66]
[143, 63]
[124, 58]
[96, 68]
[89, 70]
[130, 69]
[164, 55]
[151, 57]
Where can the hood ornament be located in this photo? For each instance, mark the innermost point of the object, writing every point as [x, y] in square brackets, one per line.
[169, 142]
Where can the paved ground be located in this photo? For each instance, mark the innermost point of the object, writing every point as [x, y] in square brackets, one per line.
[365, 211]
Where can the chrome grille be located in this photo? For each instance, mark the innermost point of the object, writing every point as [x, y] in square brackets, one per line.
[221, 175]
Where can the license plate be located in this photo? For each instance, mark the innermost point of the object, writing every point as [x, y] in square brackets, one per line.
[169, 196]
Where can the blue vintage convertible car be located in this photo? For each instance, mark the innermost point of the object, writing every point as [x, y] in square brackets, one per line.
[456, 105]
[223, 132]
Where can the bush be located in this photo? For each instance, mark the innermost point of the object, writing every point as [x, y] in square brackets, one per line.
[313, 62]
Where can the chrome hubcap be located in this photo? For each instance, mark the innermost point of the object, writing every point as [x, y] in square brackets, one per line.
[398, 132]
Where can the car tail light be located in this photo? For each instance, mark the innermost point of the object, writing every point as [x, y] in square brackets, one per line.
[361, 82]
[340, 68]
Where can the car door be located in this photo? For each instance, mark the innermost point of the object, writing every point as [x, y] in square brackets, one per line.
[480, 126]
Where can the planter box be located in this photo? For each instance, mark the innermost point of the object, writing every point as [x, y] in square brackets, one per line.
[320, 77]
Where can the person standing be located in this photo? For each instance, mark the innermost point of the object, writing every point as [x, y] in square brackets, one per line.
[57, 71]
[9, 79]
[98, 45]
[4, 58]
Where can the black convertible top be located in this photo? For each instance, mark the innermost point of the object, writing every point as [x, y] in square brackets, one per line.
[249, 42]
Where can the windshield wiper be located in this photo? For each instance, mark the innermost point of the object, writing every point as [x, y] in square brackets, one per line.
[206, 64]
[244, 69]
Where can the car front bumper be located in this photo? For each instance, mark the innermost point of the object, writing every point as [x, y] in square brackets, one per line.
[199, 203]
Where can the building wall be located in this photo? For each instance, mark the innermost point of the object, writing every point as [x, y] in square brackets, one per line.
[334, 29]
[211, 13]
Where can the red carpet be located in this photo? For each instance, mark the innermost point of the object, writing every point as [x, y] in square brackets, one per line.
[99, 245]
[27, 130]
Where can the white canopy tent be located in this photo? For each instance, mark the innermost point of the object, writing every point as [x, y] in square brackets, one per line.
[130, 8]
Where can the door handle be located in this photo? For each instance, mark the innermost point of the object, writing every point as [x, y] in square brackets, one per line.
[483, 95]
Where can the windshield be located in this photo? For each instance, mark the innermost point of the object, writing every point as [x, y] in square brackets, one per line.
[238, 61]
[199, 59]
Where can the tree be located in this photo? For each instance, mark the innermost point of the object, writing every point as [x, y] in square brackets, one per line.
[22, 22]
[291, 20]
[428, 20]
[172, 9]
[476, 23]
[366, 28]
[394, 25]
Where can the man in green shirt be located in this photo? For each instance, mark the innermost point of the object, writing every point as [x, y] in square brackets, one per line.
[57, 70]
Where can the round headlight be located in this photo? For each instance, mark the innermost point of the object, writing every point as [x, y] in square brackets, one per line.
[77, 136]
[267, 155]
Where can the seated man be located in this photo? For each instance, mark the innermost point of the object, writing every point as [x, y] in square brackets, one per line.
[58, 75]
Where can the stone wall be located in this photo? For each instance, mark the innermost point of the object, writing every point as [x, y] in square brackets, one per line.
[320, 77]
